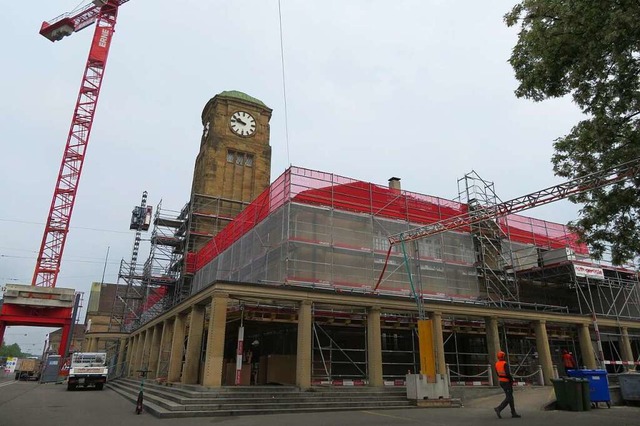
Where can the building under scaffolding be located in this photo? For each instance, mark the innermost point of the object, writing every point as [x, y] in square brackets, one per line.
[326, 233]
[321, 230]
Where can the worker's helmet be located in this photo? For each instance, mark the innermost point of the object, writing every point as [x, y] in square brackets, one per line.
[501, 355]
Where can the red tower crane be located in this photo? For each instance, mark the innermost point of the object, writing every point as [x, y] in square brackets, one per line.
[104, 14]
[35, 305]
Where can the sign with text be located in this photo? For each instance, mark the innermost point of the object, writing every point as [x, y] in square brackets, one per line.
[588, 271]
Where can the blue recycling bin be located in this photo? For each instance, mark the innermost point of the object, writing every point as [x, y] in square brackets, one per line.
[598, 384]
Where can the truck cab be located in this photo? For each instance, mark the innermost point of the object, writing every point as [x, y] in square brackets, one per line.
[88, 369]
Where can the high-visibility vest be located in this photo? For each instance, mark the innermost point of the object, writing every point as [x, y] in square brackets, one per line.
[501, 370]
[568, 361]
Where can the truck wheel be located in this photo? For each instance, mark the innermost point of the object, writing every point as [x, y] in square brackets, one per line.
[71, 387]
[99, 386]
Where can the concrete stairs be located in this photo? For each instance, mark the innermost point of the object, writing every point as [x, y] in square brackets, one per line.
[177, 400]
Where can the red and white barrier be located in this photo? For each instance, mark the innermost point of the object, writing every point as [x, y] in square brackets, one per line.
[622, 362]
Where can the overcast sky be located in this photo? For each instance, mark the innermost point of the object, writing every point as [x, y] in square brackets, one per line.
[419, 89]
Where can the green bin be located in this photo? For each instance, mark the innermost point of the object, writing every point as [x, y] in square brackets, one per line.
[586, 394]
[560, 388]
[574, 394]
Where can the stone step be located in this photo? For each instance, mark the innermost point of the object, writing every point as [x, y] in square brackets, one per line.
[288, 397]
[256, 391]
[259, 398]
[179, 401]
[158, 407]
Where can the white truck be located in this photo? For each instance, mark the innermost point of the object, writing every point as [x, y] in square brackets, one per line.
[88, 369]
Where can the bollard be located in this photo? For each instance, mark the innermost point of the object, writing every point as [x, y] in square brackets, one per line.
[448, 375]
[555, 372]
[490, 374]
[540, 376]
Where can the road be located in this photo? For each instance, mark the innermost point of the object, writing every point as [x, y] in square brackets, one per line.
[33, 404]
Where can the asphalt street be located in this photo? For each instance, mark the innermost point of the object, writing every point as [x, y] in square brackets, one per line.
[33, 404]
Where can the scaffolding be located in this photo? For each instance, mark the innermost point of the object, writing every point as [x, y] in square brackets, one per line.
[128, 298]
[495, 259]
[327, 232]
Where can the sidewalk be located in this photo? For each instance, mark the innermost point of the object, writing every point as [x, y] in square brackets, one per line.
[527, 398]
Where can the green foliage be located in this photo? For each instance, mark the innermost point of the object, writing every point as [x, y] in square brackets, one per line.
[11, 351]
[591, 51]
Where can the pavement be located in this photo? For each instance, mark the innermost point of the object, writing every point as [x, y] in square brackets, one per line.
[33, 404]
[527, 398]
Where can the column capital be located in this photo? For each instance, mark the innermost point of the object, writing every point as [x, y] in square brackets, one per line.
[541, 321]
[305, 302]
[375, 308]
[217, 294]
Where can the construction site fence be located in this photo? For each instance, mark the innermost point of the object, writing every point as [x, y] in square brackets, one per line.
[484, 377]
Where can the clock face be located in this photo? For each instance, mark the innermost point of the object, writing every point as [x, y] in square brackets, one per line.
[242, 123]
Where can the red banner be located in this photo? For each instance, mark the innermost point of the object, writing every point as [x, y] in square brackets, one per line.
[100, 45]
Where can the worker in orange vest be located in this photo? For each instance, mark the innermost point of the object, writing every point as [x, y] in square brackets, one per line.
[568, 361]
[506, 383]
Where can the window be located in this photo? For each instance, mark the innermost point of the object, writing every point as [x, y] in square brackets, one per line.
[240, 158]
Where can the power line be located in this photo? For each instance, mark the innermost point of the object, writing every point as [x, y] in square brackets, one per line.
[8, 256]
[71, 227]
[35, 252]
[284, 86]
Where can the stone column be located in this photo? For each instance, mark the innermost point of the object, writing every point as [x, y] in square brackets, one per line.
[214, 361]
[586, 348]
[194, 345]
[144, 359]
[493, 343]
[625, 346]
[121, 363]
[374, 347]
[303, 356]
[177, 348]
[154, 351]
[438, 341]
[138, 355]
[130, 354]
[165, 342]
[544, 353]
[135, 356]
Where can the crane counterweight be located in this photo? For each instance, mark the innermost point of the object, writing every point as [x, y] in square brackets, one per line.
[58, 30]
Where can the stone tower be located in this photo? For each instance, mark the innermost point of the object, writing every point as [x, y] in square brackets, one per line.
[233, 165]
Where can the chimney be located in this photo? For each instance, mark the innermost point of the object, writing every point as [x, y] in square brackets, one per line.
[394, 184]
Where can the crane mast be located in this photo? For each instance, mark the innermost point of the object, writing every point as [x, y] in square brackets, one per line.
[104, 14]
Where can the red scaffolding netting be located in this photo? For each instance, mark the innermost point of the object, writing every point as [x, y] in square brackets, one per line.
[313, 187]
[541, 233]
[155, 295]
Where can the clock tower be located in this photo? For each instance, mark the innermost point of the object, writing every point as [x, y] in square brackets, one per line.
[233, 166]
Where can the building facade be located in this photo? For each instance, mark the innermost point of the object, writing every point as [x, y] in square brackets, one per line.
[304, 267]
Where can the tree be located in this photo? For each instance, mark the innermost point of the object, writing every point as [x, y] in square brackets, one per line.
[591, 51]
[11, 351]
